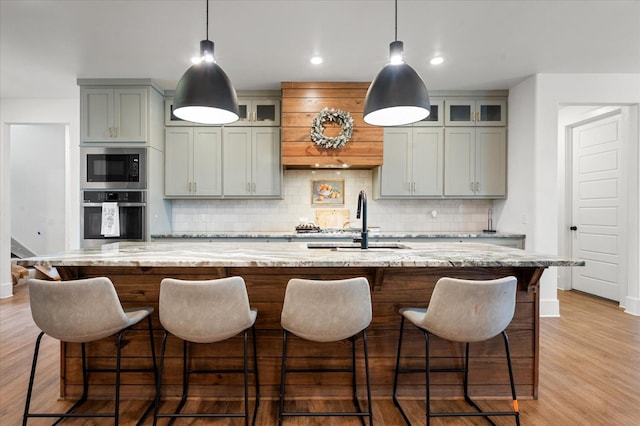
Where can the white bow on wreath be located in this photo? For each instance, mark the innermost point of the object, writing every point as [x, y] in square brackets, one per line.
[342, 118]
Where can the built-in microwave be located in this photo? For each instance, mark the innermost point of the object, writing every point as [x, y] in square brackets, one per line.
[113, 168]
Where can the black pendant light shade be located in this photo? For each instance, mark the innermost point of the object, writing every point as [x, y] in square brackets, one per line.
[205, 94]
[397, 96]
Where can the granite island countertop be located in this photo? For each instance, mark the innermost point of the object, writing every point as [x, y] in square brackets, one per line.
[296, 254]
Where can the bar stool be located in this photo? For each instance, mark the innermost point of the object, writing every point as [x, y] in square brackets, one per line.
[327, 311]
[83, 311]
[207, 311]
[462, 311]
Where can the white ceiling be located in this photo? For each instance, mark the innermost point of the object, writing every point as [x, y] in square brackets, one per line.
[45, 45]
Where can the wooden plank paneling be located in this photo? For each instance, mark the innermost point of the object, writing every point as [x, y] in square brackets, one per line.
[301, 102]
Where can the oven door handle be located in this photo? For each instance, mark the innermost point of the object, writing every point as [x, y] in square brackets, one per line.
[119, 204]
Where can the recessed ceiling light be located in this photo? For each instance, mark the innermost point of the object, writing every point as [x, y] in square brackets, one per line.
[316, 60]
[436, 60]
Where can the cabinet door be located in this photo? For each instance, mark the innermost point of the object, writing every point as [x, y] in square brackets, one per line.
[459, 112]
[266, 165]
[266, 112]
[491, 112]
[258, 112]
[177, 162]
[459, 161]
[436, 117]
[130, 114]
[207, 161]
[395, 174]
[427, 161]
[245, 107]
[96, 114]
[491, 162]
[236, 151]
[475, 112]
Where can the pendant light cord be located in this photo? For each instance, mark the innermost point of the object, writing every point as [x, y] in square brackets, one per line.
[208, 19]
[396, 26]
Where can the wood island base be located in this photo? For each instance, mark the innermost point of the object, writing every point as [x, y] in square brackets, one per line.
[392, 288]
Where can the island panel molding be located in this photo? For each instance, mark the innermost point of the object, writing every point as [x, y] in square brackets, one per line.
[301, 103]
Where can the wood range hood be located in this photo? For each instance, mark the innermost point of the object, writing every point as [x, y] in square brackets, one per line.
[301, 103]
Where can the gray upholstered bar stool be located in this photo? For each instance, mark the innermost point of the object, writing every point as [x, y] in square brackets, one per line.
[83, 311]
[207, 311]
[462, 311]
[327, 311]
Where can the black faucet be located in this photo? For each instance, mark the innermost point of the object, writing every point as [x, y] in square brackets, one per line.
[362, 211]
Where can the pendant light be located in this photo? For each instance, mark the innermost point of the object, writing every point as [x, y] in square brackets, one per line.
[397, 95]
[205, 94]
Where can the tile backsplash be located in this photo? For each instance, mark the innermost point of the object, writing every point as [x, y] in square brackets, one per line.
[283, 215]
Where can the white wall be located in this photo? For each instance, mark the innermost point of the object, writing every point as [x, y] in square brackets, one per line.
[37, 186]
[25, 111]
[533, 107]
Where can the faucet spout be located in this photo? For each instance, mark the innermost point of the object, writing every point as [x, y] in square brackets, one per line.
[362, 212]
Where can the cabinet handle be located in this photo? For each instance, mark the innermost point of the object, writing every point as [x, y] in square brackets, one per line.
[190, 185]
[195, 186]
[248, 186]
[117, 132]
[477, 186]
[414, 187]
[471, 188]
[408, 186]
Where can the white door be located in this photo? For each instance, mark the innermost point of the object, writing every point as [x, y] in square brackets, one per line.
[599, 207]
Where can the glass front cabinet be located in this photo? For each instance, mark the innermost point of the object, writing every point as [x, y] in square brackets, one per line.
[475, 112]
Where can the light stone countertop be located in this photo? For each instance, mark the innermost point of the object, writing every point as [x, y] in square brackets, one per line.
[335, 234]
[296, 254]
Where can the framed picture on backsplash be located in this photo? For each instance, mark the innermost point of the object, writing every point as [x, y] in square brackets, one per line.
[327, 192]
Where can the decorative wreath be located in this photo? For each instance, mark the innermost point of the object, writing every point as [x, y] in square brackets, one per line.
[342, 118]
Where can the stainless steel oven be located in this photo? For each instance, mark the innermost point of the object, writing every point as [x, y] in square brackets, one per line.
[113, 168]
[131, 226]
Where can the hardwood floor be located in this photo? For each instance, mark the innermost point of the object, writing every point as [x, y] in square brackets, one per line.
[589, 374]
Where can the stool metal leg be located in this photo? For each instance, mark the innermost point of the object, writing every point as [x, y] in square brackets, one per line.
[187, 372]
[246, 379]
[255, 370]
[511, 380]
[359, 413]
[159, 379]
[283, 368]
[366, 370]
[31, 379]
[396, 402]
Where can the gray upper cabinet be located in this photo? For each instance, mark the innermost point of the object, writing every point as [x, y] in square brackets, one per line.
[258, 112]
[193, 162]
[113, 114]
[412, 164]
[436, 117]
[475, 162]
[475, 112]
[251, 162]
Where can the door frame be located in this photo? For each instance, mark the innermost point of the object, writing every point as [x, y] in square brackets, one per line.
[629, 152]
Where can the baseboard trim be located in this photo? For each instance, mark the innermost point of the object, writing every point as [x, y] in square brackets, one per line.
[632, 305]
[6, 290]
[549, 308]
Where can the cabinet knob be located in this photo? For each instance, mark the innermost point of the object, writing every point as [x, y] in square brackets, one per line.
[573, 228]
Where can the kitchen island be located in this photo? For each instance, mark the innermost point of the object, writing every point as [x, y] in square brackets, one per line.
[400, 275]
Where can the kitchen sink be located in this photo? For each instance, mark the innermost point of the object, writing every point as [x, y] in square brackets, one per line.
[343, 246]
